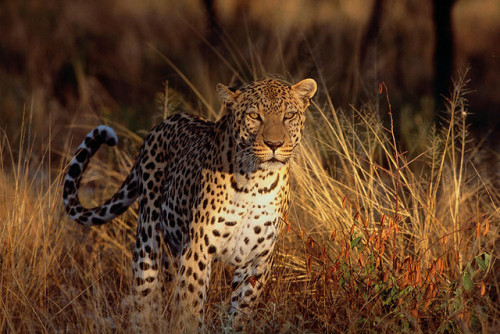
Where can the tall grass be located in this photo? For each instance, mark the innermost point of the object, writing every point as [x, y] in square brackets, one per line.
[398, 247]
[375, 241]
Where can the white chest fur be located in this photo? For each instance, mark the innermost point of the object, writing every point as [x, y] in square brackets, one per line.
[254, 206]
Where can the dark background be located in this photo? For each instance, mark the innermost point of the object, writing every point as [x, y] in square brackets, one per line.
[82, 61]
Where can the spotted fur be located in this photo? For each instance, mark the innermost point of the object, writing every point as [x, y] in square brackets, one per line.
[207, 190]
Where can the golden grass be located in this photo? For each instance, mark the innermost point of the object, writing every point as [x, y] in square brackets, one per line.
[374, 242]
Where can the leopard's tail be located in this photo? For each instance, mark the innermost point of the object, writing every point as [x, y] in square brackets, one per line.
[114, 206]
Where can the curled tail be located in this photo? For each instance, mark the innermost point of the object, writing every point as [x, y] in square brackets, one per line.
[114, 206]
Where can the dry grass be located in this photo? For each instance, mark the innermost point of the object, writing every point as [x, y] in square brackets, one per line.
[374, 242]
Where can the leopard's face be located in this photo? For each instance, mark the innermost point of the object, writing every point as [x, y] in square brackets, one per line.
[268, 119]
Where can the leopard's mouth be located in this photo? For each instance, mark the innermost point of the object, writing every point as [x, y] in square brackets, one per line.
[273, 160]
[272, 163]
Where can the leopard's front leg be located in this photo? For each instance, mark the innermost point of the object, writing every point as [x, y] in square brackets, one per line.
[248, 284]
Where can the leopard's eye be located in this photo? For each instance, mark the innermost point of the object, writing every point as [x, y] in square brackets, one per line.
[253, 115]
[289, 115]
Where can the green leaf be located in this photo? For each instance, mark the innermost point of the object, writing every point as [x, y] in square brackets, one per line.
[487, 258]
[406, 291]
[483, 261]
[355, 242]
[480, 263]
[467, 281]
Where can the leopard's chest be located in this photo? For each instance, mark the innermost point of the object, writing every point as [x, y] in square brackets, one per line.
[252, 236]
[247, 225]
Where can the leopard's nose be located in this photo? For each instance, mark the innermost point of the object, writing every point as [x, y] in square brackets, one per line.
[273, 145]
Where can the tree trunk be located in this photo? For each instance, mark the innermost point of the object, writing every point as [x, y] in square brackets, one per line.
[443, 52]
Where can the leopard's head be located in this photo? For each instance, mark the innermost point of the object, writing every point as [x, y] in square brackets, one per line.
[268, 119]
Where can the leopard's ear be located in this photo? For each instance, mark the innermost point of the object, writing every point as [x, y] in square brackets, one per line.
[226, 96]
[305, 88]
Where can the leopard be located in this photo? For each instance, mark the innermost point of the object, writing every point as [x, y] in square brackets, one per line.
[207, 191]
